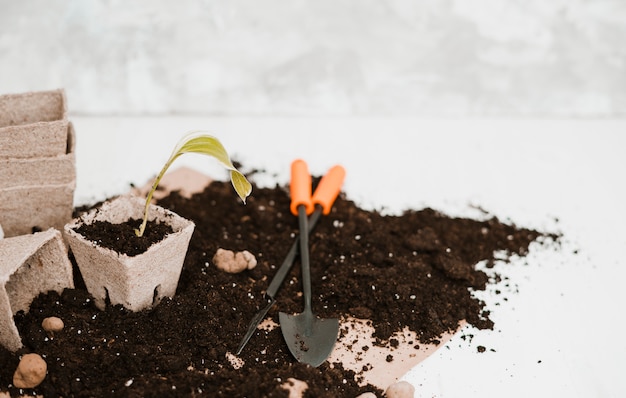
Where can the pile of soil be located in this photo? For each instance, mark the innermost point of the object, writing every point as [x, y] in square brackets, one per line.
[415, 270]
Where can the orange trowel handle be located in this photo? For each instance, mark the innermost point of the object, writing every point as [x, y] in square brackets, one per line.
[300, 187]
[328, 188]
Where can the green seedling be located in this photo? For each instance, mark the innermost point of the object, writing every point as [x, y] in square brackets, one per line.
[199, 142]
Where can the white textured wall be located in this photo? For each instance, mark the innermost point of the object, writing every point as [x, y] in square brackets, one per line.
[323, 57]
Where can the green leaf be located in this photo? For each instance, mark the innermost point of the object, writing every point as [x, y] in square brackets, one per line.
[241, 185]
[198, 142]
[202, 143]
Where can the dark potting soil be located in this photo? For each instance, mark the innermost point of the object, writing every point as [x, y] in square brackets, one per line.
[415, 270]
[122, 237]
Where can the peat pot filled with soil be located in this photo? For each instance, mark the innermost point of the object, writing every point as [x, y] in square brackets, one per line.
[131, 252]
[119, 267]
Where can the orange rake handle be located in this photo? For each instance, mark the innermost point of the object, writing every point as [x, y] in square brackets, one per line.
[300, 187]
[328, 188]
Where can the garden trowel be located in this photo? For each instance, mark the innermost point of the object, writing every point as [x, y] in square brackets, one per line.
[325, 194]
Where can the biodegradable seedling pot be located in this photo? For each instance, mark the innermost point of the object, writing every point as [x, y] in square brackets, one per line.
[29, 265]
[33, 124]
[37, 193]
[136, 282]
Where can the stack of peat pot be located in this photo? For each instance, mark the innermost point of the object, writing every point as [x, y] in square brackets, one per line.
[37, 181]
[37, 162]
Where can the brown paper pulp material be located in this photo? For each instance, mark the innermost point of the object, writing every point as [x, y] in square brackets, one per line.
[185, 180]
[38, 192]
[386, 364]
[29, 265]
[383, 370]
[33, 124]
[38, 208]
[137, 282]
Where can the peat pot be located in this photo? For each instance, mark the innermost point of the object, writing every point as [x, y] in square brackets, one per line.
[136, 282]
[33, 125]
[29, 265]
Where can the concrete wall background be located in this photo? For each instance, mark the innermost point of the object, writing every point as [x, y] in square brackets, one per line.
[451, 58]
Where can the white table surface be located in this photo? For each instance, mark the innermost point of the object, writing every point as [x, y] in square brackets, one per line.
[559, 335]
